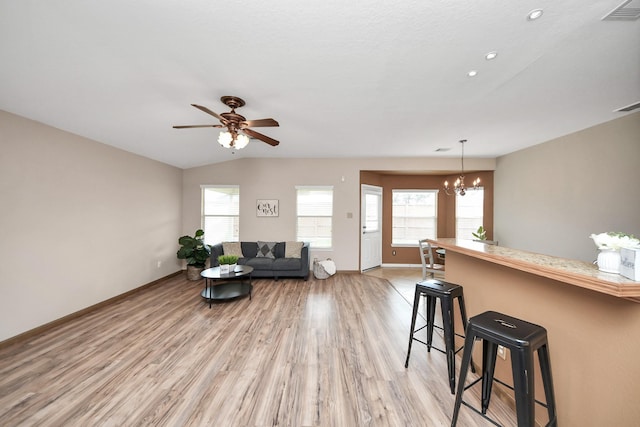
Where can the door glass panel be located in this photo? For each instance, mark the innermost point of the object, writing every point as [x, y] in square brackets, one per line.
[372, 220]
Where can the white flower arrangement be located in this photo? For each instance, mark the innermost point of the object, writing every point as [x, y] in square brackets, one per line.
[615, 240]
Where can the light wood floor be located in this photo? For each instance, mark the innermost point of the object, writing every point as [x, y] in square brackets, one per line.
[316, 353]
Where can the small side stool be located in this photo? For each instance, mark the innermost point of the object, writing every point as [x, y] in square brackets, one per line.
[522, 339]
[446, 292]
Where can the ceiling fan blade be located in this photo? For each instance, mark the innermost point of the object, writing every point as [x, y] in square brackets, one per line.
[261, 137]
[260, 123]
[206, 110]
[197, 126]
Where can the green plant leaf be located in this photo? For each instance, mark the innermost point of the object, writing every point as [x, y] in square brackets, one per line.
[193, 250]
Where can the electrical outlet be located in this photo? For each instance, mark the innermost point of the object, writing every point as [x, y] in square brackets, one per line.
[502, 352]
[159, 264]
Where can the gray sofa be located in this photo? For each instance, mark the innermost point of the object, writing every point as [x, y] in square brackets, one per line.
[276, 267]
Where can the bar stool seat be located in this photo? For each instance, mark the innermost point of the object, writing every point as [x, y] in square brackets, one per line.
[522, 339]
[446, 292]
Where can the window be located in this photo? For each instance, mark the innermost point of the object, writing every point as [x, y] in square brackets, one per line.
[372, 220]
[221, 214]
[314, 207]
[414, 216]
[469, 213]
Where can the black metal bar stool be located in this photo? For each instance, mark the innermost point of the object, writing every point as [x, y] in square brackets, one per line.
[447, 292]
[522, 339]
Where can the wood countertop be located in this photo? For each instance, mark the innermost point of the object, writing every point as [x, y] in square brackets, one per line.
[572, 272]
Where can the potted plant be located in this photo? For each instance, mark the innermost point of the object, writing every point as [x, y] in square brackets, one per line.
[480, 234]
[227, 263]
[609, 245]
[195, 252]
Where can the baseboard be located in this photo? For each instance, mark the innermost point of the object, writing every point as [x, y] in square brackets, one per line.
[388, 265]
[47, 326]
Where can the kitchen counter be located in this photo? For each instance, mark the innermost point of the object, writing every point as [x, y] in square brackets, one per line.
[572, 272]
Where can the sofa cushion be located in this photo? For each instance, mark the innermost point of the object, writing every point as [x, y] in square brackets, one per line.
[232, 248]
[249, 249]
[261, 263]
[286, 264]
[278, 250]
[266, 249]
[293, 249]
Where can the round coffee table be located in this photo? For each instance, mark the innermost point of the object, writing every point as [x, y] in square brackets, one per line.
[221, 286]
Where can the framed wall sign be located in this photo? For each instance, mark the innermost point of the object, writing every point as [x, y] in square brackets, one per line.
[267, 207]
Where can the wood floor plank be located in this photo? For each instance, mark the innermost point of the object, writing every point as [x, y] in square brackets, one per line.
[315, 353]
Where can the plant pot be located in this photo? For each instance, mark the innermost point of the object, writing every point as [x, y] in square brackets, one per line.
[193, 272]
[225, 268]
[609, 261]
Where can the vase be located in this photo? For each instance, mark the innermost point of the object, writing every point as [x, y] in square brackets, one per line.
[609, 261]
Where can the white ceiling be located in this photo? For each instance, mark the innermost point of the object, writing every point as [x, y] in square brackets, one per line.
[344, 79]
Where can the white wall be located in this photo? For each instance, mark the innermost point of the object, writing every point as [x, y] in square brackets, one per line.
[549, 198]
[80, 222]
[277, 178]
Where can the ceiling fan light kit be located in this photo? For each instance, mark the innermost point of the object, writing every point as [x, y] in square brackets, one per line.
[227, 140]
[237, 133]
[458, 185]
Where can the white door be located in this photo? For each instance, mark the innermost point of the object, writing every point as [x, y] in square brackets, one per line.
[371, 223]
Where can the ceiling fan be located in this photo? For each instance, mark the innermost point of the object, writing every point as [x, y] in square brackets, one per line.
[238, 128]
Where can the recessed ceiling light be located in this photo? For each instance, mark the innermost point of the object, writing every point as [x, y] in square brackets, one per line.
[472, 73]
[491, 55]
[534, 14]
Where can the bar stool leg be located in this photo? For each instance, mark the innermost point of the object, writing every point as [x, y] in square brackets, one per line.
[416, 303]
[463, 314]
[523, 385]
[449, 340]
[547, 381]
[431, 315]
[464, 367]
[489, 353]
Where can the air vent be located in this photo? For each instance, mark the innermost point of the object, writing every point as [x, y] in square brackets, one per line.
[443, 149]
[631, 107]
[629, 10]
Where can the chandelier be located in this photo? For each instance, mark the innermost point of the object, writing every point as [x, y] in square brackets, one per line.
[233, 140]
[458, 185]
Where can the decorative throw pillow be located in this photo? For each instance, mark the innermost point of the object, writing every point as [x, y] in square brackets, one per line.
[266, 249]
[232, 248]
[293, 249]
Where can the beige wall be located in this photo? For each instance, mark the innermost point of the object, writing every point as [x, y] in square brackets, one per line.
[64, 196]
[277, 178]
[549, 198]
[80, 222]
